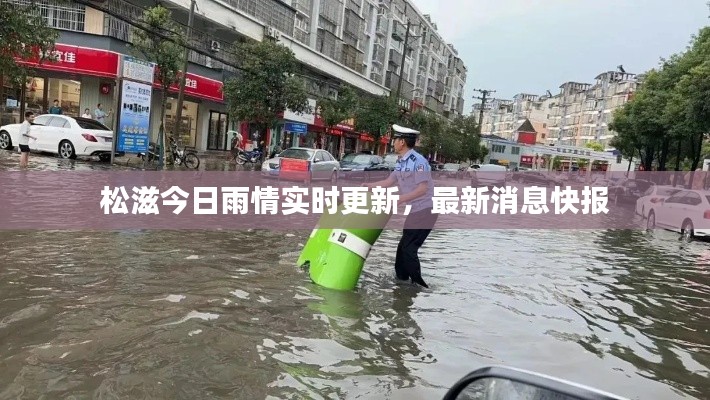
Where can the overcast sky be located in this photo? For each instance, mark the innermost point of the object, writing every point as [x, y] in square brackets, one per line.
[531, 46]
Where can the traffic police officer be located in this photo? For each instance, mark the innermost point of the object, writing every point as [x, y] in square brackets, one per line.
[412, 174]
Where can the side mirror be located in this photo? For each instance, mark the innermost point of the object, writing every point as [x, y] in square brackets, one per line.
[502, 383]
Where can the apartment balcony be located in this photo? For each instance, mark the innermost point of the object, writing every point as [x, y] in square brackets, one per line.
[352, 58]
[330, 10]
[392, 80]
[395, 57]
[434, 104]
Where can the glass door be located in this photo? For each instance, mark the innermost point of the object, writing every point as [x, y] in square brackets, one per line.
[217, 134]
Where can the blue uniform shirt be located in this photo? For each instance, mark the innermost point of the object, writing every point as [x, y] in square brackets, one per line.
[411, 170]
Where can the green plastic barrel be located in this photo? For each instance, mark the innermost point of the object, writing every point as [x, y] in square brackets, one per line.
[336, 254]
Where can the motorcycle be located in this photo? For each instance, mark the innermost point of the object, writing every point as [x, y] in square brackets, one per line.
[152, 152]
[506, 383]
[253, 156]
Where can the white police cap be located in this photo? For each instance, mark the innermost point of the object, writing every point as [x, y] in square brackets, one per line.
[402, 132]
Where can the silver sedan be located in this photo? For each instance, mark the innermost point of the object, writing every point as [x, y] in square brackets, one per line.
[322, 164]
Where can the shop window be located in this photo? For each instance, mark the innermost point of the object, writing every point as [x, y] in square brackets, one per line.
[34, 95]
[188, 127]
[68, 92]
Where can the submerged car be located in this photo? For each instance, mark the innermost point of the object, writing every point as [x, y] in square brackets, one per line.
[321, 165]
[65, 136]
[364, 166]
[489, 175]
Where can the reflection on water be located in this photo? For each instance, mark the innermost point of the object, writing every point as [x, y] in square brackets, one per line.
[227, 314]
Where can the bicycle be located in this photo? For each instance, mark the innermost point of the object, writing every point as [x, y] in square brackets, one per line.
[181, 156]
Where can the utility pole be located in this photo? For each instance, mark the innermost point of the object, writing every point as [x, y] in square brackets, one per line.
[404, 54]
[483, 106]
[181, 93]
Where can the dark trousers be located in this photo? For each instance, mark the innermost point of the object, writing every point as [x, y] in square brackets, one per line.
[416, 229]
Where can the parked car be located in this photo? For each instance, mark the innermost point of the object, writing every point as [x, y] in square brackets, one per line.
[322, 165]
[628, 191]
[65, 136]
[390, 160]
[449, 170]
[536, 177]
[686, 211]
[654, 195]
[490, 175]
[364, 166]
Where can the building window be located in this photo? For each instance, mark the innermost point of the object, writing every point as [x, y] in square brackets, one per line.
[498, 148]
[515, 151]
[59, 15]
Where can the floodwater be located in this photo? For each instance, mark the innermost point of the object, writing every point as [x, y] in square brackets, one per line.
[229, 315]
[222, 314]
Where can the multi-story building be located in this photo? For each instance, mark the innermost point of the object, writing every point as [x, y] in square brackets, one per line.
[353, 42]
[578, 114]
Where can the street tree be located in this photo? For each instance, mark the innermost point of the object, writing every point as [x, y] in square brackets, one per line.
[267, 84]
[166, 54]
[375, 115]
[431, 127]
[667, 119]
[25, 35]
[340, 109]
[464, 130]
[596, 146]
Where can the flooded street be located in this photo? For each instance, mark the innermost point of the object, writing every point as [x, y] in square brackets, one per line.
[224, 314]
[228, 314]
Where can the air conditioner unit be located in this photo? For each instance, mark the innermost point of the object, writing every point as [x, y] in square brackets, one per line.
[215, 46]
[272, 32]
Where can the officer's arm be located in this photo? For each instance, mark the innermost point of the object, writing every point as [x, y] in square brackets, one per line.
[390, 181]
[420, 191]
[422, 176]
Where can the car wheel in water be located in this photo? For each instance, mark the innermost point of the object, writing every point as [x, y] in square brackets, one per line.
[66, 150]
[651, 221]
[687, 232]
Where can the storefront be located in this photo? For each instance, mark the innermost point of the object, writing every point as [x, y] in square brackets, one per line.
[204, 123]
[79, 78]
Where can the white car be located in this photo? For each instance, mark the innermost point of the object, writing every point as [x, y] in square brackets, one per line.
[687, 212]
[322, 166]
[654, 195]
[489, 175]
[65, 136]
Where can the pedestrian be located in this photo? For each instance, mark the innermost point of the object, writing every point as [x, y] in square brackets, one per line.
[87, 114]
[412, 173]
[24, 142]
[55, 109]
[100, 115]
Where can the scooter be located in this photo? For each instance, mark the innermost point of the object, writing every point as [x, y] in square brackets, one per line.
[152, 153]
[253, 156]
[506, 383]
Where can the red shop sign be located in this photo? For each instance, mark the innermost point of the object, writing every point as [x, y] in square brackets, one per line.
[200, 87]
[78, 60]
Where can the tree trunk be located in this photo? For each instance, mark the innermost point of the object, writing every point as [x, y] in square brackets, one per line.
[697, 152]
[678, 152]
[663, 158]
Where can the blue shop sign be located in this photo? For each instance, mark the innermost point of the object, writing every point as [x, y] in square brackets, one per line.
[296, 127]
